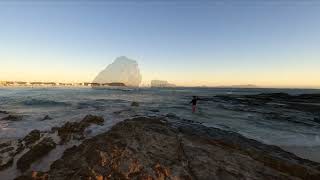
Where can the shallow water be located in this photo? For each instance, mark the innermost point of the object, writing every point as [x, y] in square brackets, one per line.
[114, 105]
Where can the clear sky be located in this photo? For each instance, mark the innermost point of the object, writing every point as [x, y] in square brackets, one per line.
[273, 44]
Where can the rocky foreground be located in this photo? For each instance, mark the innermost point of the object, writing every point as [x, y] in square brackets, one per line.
[153, 148]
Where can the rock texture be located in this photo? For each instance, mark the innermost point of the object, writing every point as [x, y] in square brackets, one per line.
[32, 137]
[6, 154]
[36, 152]
[151, 148]
[11, 148]
[75, 130]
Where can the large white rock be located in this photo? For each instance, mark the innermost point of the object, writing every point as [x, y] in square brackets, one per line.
[122, 70]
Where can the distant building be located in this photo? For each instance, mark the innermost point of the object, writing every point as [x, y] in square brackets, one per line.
[65, 84]
[21, 83]
[9, 83]
[78, 84]
[49, 83]
[36, 83]
[161, 84]
[87, 84]
[95, 84]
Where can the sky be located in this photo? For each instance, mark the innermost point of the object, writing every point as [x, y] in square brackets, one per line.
[189, 43]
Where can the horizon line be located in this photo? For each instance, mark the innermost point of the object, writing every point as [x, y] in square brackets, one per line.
[56, 84]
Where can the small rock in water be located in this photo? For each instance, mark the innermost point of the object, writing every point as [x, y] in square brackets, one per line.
[47, 117]
[173, 116]
[12, 118]
[4, 112]
[5, 144]
[136, 104]
[35, 153]
[154, 110]
[316, 119]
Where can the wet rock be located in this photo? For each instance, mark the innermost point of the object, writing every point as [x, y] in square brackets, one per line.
[136, 104]
[47, 117]
[12, 118]
[6, 154]
[34, 175]
[70, 129]
[151, 148]
[316, 119]
[75, 130]
[32, 137]
[122, 111]
[4, 112]
[90, 119]
[154, 110]
[5, 144]
[20, 148]
[172, 116]
[117, 112]
[25, 177]
[5, 150]
[5, 163]
[35, 153]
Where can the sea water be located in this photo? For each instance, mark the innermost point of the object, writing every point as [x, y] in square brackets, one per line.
[72, 104]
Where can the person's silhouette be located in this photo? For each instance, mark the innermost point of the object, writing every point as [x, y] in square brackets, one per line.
[194, 103]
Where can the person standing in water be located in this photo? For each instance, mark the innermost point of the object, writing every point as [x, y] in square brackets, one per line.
[194, 103]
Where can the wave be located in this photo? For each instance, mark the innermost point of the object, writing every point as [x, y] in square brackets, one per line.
[42, 102]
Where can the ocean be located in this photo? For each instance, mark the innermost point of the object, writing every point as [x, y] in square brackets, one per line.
[72, 104]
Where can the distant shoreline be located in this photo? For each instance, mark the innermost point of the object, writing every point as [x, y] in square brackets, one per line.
[148, 87]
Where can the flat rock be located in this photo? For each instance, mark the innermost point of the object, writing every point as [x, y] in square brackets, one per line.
[151, 148]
